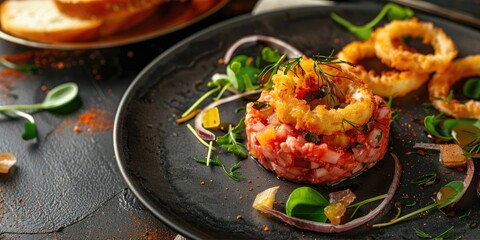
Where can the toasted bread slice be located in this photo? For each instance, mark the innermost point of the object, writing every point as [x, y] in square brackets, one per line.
[41, 21]
[44, 21]
[103, 8]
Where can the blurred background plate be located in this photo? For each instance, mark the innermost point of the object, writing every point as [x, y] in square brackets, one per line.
[170, 17]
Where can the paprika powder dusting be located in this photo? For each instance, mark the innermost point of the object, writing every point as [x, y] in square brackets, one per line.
[94, 120]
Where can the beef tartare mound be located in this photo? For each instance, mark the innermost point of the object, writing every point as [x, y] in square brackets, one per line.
[318, 124]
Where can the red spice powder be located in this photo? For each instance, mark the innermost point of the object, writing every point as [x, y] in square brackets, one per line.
[92, 121]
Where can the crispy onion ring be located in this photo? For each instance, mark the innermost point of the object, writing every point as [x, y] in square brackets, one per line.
[358, 103]
[391, 83]
[440, 85]
[395, 56]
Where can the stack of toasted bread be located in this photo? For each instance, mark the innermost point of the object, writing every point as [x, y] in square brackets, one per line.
[73, 20]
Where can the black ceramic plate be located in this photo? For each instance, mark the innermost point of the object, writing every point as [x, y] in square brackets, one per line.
[156, 155]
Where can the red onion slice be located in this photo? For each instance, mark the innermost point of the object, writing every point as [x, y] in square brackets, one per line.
[204, 133]
[273, 42]
[330, 228]
[468, 178]
[470, 167]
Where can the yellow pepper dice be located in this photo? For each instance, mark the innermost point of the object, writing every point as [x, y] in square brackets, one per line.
[266, 135]
[211, 118]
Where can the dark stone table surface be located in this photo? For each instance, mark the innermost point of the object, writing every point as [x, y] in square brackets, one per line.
[67, 185]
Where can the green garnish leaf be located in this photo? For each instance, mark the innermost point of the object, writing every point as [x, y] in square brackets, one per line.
[457, 187]
[395, 112]
[22, 68]
[270, 55]
[426, 235]
[391, 10]
[452, 190]
[422, 234]
[306, 203]
[471, 88]
[231, 141]
[242, 74]
[238, 149]
[30, 131]
[232, 172]
[432, 124]
[426, 180]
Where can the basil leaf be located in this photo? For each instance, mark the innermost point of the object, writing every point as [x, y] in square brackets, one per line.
[306, 203]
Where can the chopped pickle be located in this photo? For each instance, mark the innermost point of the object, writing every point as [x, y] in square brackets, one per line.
[334, 212]
[265, 198]
[211, 118]
[339, 201]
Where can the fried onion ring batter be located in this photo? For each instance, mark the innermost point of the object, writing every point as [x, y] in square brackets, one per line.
[441, 83]
[391, 83]
[289, 91]
[393, 55]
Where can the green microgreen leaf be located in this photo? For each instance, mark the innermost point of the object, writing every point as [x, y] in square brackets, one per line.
[30, 129]
[471, 88]
[432, 124]
[231, 141]
[232, 173]
[391, 10]
[306, 203]
[395, 112]
[270, 55]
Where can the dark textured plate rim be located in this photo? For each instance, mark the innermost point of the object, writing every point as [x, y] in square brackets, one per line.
[122, 107]
[134, 86]
[110, 43]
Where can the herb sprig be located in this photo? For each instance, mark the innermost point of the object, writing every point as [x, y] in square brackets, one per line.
[231, 141]
[391, 10]
[425, 235]
[233, 172]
